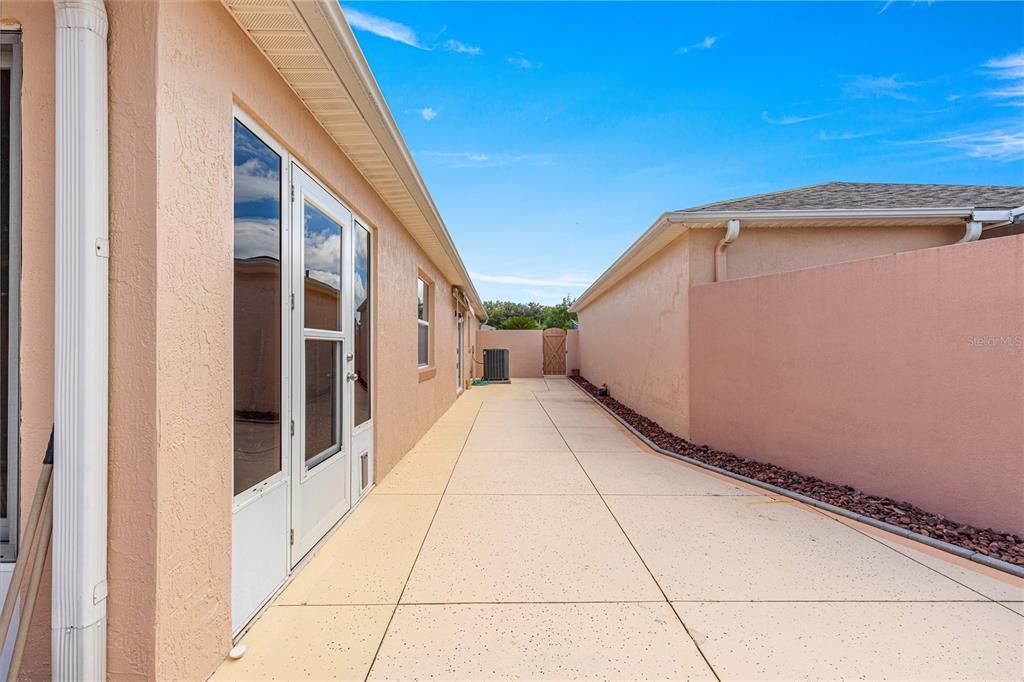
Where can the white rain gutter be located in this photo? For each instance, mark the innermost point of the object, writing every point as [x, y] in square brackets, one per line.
[668, 225]
[1000, 218]
[79, 608]
[732, 232]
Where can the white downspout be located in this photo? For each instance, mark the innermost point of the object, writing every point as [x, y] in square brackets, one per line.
[732, 231]
[79, 609]
[971, 233]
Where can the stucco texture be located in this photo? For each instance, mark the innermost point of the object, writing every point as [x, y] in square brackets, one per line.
[635, 338]
[764, 250]
[205, 65]
[176, 71]
[900, 375]
[840, 353]
[525, 350]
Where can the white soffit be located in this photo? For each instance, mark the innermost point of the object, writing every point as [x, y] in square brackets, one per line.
[311, 46]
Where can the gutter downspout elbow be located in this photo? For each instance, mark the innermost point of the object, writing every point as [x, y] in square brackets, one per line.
[732, 232]
[78, 635]
[972, 233]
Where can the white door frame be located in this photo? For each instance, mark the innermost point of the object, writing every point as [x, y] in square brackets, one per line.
[363, 434]
[316, 506]
[263, 517]
[260, 515]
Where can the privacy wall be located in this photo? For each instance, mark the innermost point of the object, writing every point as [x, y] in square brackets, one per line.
[901, 375]
[525, 350]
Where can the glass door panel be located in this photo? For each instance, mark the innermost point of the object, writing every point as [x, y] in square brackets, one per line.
[321, 246]
[259, 523]
[323, 400]
[362, 323]
[257, 314]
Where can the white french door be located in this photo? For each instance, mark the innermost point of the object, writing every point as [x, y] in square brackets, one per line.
[323, 369]
[303, 320]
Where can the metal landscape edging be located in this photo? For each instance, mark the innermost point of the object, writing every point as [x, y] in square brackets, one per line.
[961, 552]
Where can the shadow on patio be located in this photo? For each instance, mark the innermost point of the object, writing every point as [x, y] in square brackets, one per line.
[527, 535]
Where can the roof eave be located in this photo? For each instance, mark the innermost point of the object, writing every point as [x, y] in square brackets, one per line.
[670, 225]
[350, 64]
[822, 213]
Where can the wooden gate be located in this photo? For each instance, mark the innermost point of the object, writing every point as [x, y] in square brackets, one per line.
[554, 351]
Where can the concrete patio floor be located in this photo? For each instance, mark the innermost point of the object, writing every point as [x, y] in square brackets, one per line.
[528, 535]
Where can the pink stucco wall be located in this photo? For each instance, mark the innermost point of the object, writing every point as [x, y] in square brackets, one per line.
[634, 338]
[525, 350]
[900, 375]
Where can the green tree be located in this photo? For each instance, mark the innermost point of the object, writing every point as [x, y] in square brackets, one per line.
[519, 322]
[558, 315]
[499, 311]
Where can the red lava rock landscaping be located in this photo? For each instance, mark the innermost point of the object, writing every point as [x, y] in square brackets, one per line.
[1005, 546]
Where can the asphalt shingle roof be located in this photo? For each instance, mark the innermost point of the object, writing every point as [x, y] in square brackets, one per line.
[839, 195]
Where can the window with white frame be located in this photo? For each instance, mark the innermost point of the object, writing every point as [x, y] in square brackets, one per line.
[423, 322]
[10, 276]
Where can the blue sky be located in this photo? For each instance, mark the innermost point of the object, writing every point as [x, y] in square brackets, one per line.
[551, 135]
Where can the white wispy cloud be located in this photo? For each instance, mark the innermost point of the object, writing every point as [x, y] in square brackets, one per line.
[996, 145]
[706, 44]
[571, 281]
[518, 60]
[427, 113]
[392, 30]
[452, 159]
[832, 137]
[385, 28]
[867, 87]
[1010, 69]
[790, 120]
[953, 98]
[888, 3]
[461, 47]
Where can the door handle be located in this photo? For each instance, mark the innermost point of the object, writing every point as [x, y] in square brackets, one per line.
[352, 376]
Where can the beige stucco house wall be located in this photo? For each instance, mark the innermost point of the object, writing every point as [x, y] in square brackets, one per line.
[176, 72]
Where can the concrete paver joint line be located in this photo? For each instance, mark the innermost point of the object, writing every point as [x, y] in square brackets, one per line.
[538, 550]
[376, 653]
[639, 556]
